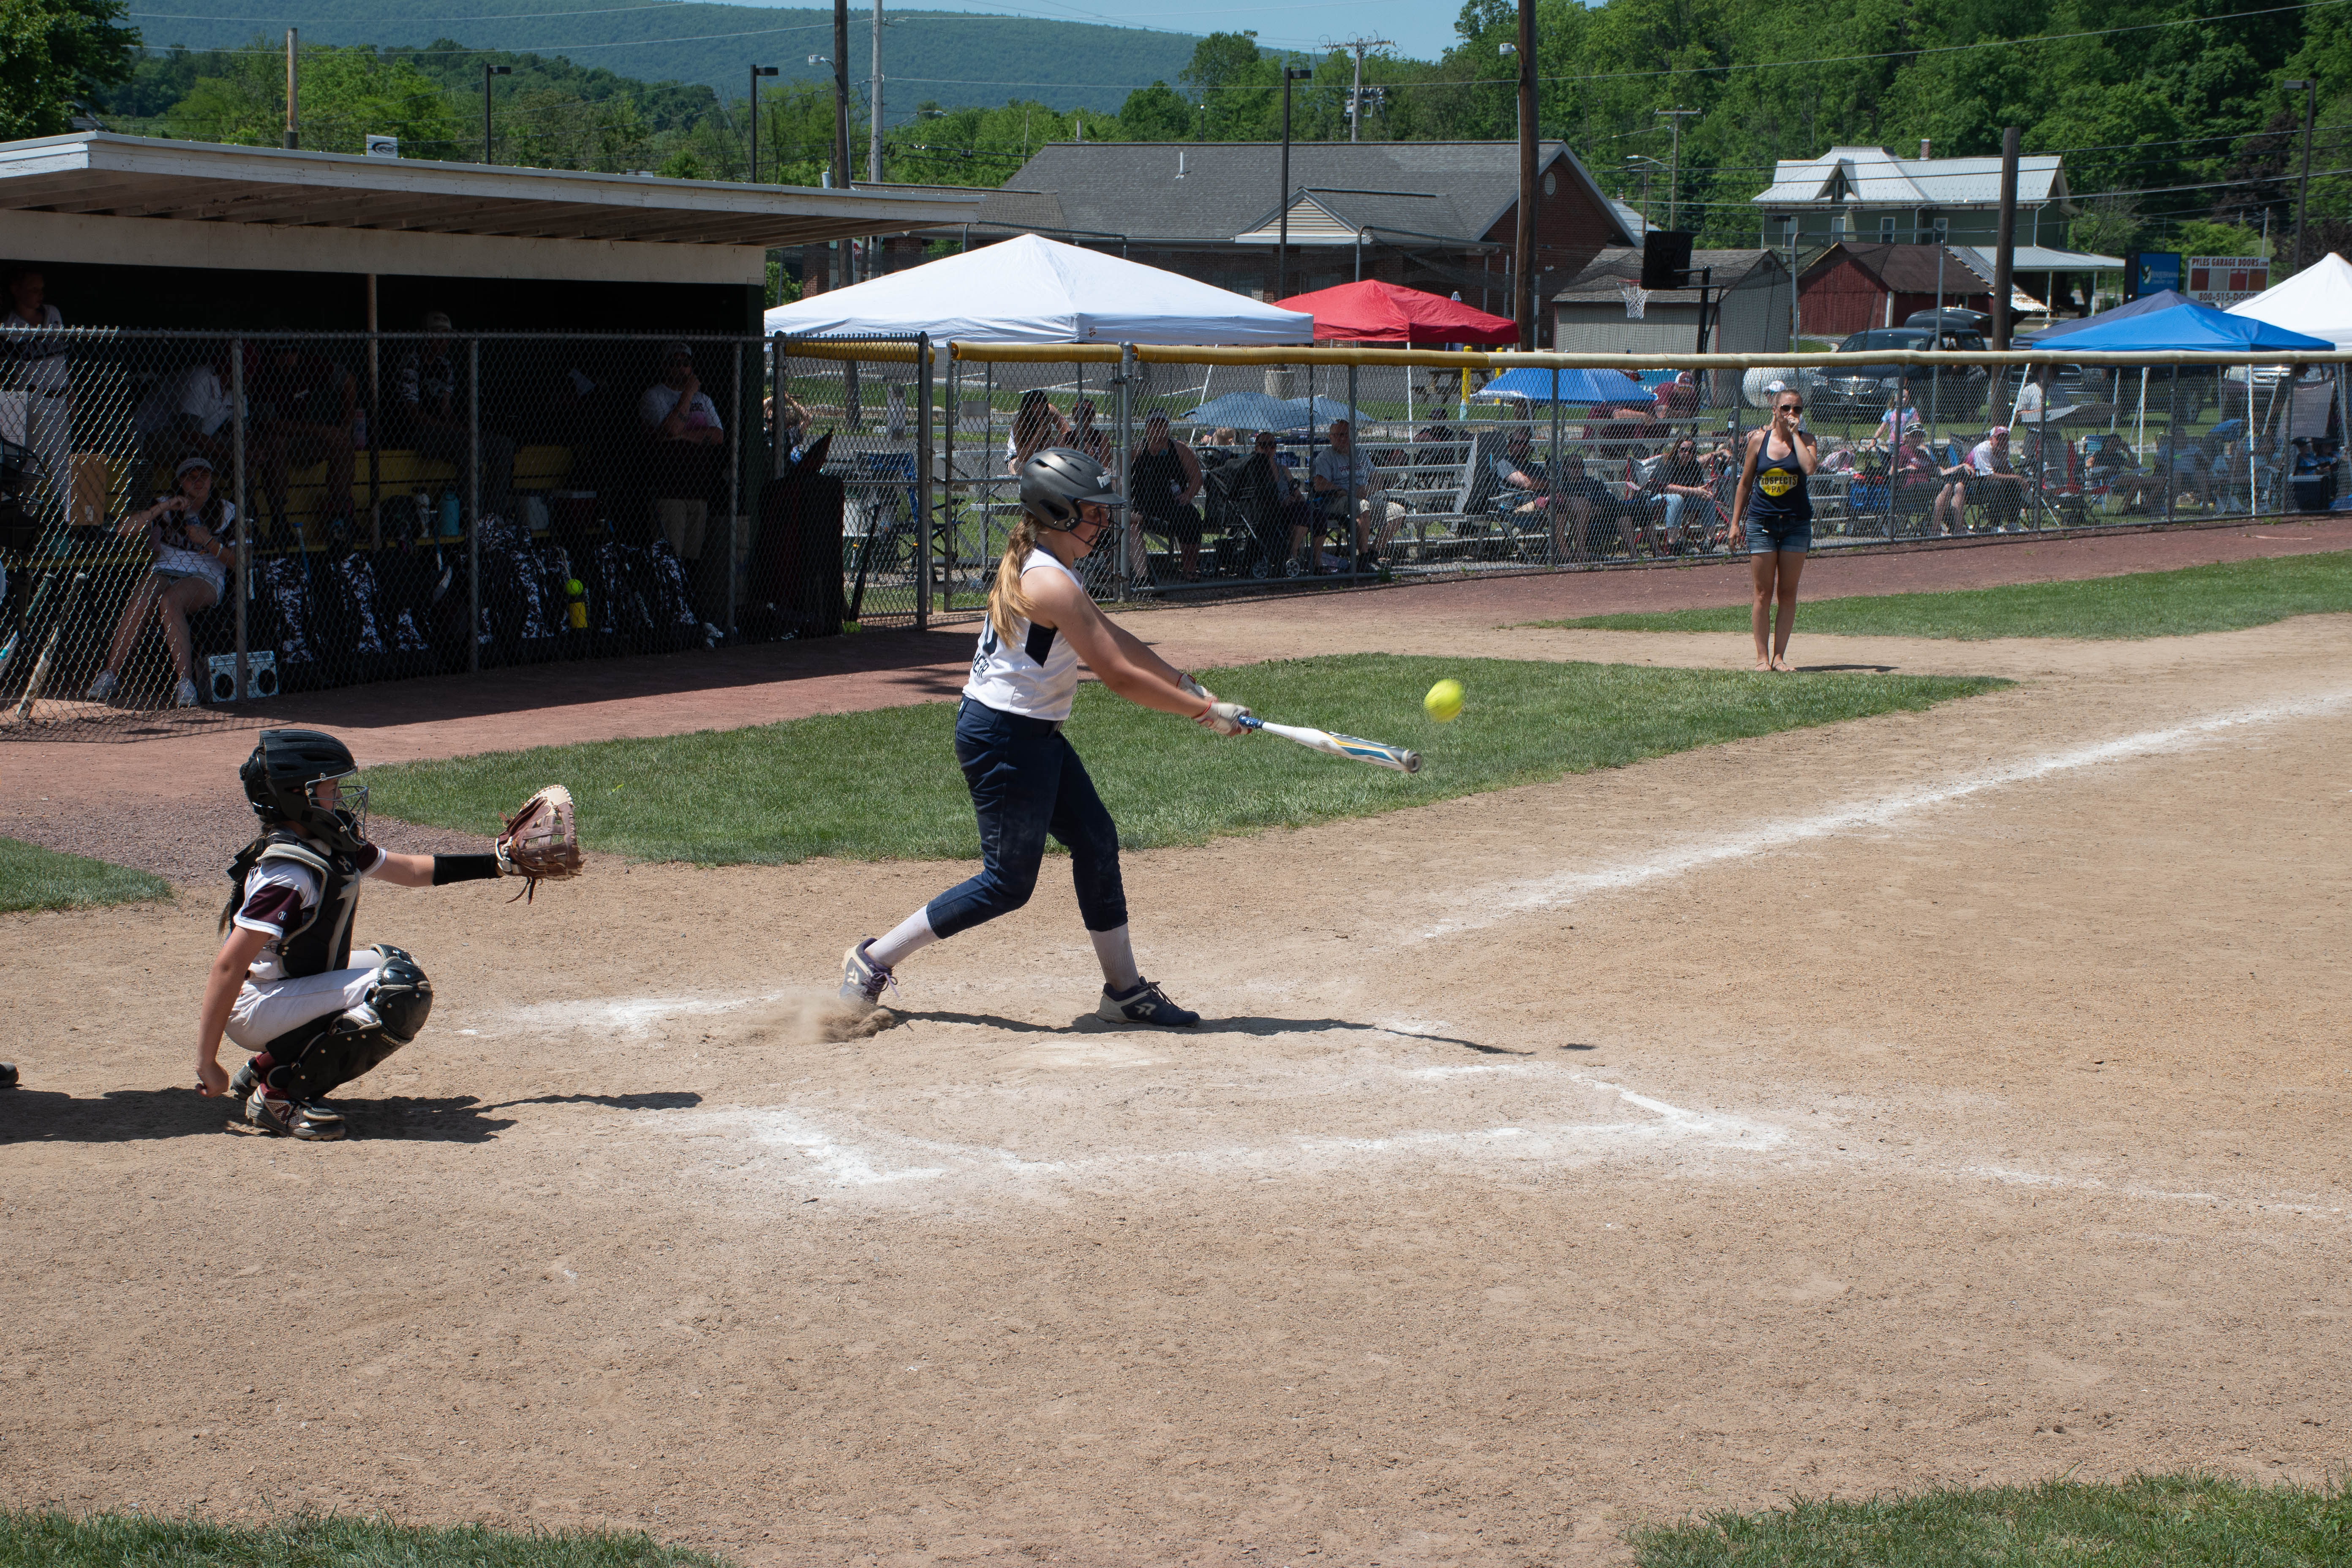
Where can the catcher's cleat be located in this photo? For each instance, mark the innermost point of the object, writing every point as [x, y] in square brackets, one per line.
[312, 1121]
[7, 1075]
[1145, 1002]
[862, 978]
[246, 1081]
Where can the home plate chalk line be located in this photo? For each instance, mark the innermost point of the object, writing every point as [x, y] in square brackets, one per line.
[1496, 903]
[784, 1146]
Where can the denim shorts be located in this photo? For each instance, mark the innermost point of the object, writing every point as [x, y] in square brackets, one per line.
[1762, 541]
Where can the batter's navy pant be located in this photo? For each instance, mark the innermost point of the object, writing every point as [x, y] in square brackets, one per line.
[1026, 783]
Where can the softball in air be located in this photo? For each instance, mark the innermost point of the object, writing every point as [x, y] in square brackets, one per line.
[1443, 702]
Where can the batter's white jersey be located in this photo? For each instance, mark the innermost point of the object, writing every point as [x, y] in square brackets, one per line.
[1036, 675]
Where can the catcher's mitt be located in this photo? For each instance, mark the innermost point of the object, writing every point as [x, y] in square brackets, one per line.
[540, 841]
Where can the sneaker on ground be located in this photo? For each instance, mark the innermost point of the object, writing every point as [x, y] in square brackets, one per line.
[101, 685]
[862, 978]
[187, 694]
[311, 1120]
[1145, 1004]
[7, 1075]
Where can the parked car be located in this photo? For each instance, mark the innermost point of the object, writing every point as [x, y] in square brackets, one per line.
[1953, 318]
[1870, 389]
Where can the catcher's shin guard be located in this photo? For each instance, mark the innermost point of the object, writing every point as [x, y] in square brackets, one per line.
[321, 1056]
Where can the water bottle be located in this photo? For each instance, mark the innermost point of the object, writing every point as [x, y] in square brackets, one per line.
[449, 525]
[577, 613]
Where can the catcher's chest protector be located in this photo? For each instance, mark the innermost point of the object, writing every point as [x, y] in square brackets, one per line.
[324, 941]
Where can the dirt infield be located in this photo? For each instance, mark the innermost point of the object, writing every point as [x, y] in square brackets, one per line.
[129, 801]
[1959, 1096]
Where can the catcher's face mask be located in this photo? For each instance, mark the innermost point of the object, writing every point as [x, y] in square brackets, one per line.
[345, 796]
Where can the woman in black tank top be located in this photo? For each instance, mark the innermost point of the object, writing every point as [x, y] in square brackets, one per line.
[1774, 511]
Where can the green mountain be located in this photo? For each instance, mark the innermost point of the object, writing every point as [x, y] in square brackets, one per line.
[951, 58]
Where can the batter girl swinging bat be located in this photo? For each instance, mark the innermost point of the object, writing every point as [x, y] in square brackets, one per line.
[1025, 780]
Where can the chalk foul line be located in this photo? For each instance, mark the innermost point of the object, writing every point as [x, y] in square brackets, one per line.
[1495, 904]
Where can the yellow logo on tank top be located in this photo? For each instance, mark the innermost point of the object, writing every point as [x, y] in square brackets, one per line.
[1776, 482]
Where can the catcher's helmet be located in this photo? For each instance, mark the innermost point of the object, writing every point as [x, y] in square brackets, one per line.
[1057, 480]
[277, 778]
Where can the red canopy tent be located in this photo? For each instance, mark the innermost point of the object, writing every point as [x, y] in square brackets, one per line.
[1376, 313]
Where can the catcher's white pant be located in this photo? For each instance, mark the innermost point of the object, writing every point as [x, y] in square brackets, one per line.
[265, 1009]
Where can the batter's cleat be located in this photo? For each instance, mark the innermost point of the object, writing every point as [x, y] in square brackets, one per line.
[313, 1121]
[246, 1081]
[1144, 1004]
[862, 978]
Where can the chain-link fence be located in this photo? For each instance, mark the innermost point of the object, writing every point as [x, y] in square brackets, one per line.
[185, 518]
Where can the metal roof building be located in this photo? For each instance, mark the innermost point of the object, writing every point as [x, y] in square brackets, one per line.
[1864, 194]
[123, 204]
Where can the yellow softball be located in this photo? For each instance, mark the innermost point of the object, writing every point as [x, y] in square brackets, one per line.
[1443, 702]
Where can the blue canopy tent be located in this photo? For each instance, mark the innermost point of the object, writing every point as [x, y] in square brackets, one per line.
[1528, 385]
[1316, 410]
[2188, 326]
[2147, 304]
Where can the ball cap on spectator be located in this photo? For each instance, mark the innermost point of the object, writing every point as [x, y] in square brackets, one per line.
[436, 320]
[1997, 430]
[675, 349]
[198, 461]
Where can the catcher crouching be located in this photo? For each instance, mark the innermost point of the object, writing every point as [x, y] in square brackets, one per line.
[288, 984]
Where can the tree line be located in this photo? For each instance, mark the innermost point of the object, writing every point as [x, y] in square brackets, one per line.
[2171, 114]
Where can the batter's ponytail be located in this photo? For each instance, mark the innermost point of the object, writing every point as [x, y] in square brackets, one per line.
[1007, 602]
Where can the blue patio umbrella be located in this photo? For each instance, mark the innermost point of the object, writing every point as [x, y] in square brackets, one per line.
[1528, 385]
[1244, 411]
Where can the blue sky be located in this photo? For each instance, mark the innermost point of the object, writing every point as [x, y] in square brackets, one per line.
[1422, 30]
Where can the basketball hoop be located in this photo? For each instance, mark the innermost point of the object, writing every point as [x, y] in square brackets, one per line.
[1637, 299]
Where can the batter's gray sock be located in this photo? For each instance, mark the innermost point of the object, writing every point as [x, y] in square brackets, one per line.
[910, 936]
[1118, 959]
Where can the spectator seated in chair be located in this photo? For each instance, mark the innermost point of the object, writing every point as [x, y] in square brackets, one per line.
[2110, 468]
[1584, 512]
[689, 449]
[1678, 497]
[1347, 489]
[304, 409]
[1266, 501]
[1997, 487]
[190, 533]
[1163, 480]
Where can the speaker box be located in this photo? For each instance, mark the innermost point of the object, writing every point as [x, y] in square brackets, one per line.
[1665, 259]
[260, 674]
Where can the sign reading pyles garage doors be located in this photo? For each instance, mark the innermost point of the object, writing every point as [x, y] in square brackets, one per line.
[2222, 281]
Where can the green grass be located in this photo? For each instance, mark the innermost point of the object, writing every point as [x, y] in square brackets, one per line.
[883, 784]
[2178, 1521]
[2218, 598]
[53, 1540]
[32, 877]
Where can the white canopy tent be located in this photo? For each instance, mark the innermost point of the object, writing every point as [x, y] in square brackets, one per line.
[1030, 289]
[2316, 300]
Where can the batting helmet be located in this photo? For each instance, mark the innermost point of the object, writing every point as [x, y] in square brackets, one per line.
[1057, 481]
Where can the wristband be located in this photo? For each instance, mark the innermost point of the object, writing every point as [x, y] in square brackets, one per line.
[464, 869]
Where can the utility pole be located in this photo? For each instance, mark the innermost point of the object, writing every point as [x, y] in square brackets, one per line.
[757, 72]
[1675, 173]
[487, 72]
[1356, 97]
[1523, 292]
[293, 91]
[2004, 257]
[2303, 197]
[841, 124]
[873, 153]
[1282, 234]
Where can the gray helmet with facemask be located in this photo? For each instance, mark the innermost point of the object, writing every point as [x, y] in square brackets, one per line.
[1057, 481]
